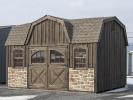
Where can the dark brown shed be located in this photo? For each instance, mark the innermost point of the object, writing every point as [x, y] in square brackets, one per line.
[68, 54]
[4, 31]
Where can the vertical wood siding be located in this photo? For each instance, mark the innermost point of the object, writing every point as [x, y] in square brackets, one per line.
[48, 32]
[111, 68]
[9, 55]
[3, 36]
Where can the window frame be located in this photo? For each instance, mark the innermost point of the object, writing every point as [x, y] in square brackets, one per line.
[87, 56]
[62, 51]
[22, 58]
[33, 51]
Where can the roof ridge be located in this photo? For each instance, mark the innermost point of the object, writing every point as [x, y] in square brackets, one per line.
[22, 24]
[92, 18]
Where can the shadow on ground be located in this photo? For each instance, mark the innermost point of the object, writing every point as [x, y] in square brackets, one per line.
[65, 95]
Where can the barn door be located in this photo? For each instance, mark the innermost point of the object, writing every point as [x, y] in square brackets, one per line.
[37, 76]
[48, 68]
[57, 69]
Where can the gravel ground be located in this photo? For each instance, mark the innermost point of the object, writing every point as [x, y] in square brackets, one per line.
[121, 94]
[35, 94]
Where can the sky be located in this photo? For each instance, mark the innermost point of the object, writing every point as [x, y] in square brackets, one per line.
[13, 12]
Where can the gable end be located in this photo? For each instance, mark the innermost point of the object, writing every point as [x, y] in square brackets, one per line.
[51, 18]
[115, 19]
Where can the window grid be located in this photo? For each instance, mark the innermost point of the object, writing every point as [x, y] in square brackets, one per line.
[18, 58]
[56, 57]
[38, 57]
[80, 58]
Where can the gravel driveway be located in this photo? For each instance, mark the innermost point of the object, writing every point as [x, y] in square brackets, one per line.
[31, 94]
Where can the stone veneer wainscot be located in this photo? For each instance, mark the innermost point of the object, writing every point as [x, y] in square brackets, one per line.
[81, 80]
[17, 77]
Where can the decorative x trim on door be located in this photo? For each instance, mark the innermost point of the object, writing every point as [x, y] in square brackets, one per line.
[58, 76]
[38, 75]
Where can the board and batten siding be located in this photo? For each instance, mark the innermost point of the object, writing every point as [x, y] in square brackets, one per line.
[91, 51]
[111, 65]
[9, 55]
[48, 32]
[3, 36]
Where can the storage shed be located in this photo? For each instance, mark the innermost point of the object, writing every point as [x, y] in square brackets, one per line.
[4, 31]
[51, 53]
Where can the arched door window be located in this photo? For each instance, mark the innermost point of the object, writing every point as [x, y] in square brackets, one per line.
[56, 57]
[80, 58]
[38, 57]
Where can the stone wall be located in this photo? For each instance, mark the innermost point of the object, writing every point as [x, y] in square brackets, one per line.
[81, 80]
[17, 77]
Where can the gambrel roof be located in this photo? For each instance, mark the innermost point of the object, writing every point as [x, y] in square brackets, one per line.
[86, 30]
[18, 34]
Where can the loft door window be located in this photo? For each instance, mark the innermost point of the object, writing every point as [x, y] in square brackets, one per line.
[80, 58]
[56, 57]
[18, 58]
[38, 57]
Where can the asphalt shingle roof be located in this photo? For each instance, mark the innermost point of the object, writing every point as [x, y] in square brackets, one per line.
[18, 34]
[86, 30]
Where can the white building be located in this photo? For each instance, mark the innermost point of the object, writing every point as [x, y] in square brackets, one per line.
[130, 58]
[130, 63]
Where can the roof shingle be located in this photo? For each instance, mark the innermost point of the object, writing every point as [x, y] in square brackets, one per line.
[18, 34]
[86, 30]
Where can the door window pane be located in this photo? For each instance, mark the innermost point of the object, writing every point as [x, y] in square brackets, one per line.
[38, 57]
[56, 57]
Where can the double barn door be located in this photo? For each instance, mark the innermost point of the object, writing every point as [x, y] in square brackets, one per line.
[48, 68]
